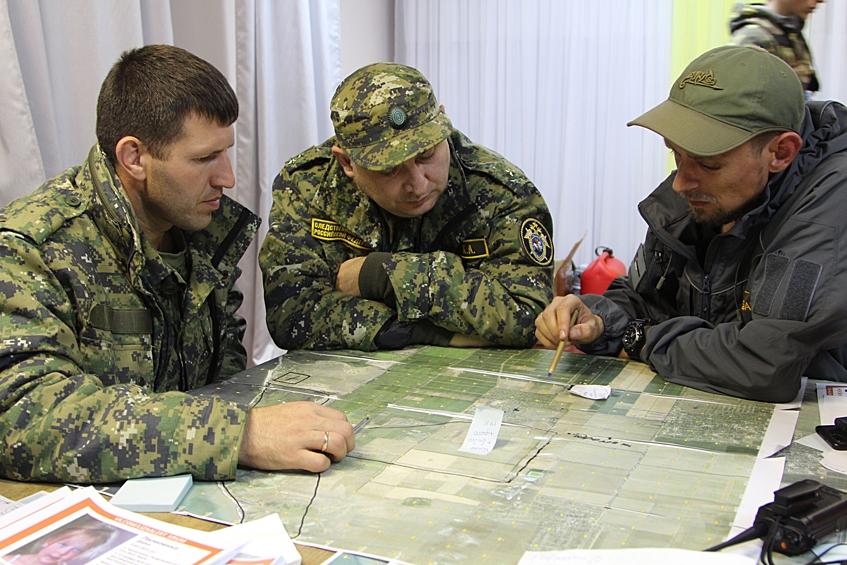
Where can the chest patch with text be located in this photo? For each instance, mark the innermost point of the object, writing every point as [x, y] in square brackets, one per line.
[327, 230]
[473, 249]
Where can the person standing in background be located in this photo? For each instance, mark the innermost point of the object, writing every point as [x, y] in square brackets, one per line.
[777, 27]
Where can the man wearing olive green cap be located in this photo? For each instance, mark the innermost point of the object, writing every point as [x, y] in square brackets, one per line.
[741, 285]
[400, 231]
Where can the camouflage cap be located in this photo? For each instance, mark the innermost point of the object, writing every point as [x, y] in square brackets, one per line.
[385, 114]
[726, 97]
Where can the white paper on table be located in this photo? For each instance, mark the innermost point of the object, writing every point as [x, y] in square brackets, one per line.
[764, 480]
[266, 542]
[7, 505]
[815, 442]
[32, 504]
[484, 430]
[832, 402]
[640, 556]
[780, 432]
[592, 392]
[133, 537]
[833, 459]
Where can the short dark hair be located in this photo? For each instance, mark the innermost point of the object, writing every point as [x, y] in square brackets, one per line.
[758, 143]
[151, 90]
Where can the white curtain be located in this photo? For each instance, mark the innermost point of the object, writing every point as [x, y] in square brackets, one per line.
[48, 111]
[289, 63]
[826, 32]
[282, 57]
[550, 85]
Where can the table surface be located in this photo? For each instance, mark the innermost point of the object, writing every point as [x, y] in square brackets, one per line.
[654, 465]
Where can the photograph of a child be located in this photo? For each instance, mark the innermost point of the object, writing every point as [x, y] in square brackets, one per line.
[75, 543]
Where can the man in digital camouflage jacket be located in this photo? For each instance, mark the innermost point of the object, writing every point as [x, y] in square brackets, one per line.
[399, 230]
[117, 295]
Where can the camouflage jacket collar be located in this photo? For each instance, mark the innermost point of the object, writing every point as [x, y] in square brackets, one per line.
[110, 207]
[217, 248]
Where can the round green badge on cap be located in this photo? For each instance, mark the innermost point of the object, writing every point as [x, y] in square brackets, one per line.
[397, 117]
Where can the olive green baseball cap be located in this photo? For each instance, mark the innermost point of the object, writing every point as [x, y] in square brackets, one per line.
[726, 97]
[385, 114]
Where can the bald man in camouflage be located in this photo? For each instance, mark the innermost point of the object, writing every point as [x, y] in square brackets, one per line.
[117, 295]
[399, 230]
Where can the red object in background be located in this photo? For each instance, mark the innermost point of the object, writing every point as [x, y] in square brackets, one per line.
[601, 272]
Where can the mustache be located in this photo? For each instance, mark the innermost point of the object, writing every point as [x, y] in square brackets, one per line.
[698, 197]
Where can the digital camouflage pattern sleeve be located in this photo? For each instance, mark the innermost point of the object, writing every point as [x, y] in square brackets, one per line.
[83, 396]
[304, 310]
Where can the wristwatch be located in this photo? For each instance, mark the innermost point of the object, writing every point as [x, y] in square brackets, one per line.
[634, 337]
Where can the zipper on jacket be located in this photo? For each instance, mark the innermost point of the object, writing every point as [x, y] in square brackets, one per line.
[166, 347]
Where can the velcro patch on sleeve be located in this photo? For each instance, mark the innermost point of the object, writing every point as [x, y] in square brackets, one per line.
[638, 267]
[536, 242]
[473, 249]
[801, 288]
[775, 267]
[327, 230]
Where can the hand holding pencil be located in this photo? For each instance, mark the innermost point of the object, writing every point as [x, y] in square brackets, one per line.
[562, 344]
[552, 329]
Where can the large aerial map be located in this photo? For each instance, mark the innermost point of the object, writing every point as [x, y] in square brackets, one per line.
[655, 464]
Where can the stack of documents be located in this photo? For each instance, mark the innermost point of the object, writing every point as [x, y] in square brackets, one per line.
[81, 526]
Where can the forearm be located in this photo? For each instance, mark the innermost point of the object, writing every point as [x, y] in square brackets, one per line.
[763, 360]
[497, 302]
[304, 308]
[305, 313]
[72, 429]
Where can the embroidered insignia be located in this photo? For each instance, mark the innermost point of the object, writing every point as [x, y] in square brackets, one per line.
[745, 303]
[327, 230]
[699, 78]
[397, 117]
[473, 249]
[536, 242]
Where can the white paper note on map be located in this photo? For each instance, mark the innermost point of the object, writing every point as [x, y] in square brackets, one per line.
[483, 432]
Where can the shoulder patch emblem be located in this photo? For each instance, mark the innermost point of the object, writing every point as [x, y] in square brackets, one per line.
[327, 230]
[536, 242]
[473, 248]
